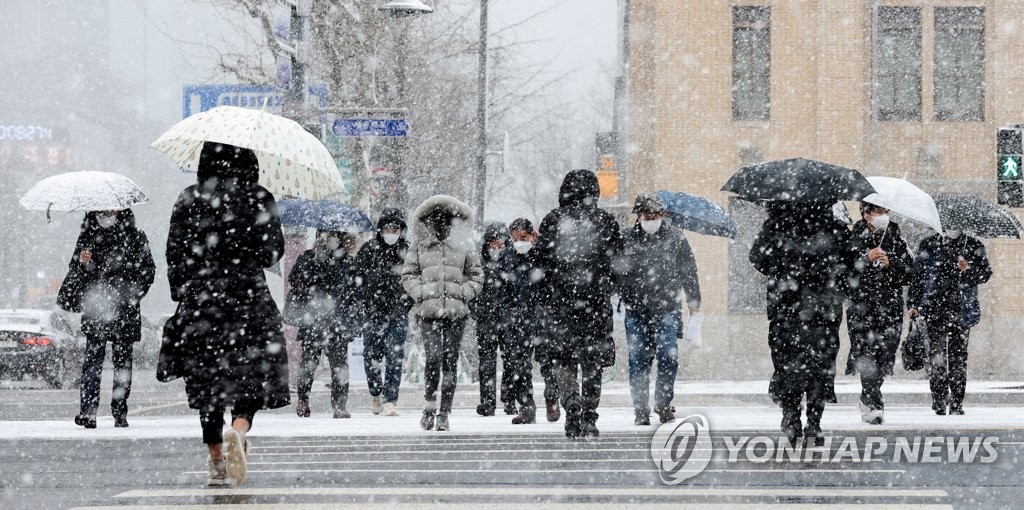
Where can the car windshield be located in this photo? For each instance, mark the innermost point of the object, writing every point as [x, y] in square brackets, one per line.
[19, 319]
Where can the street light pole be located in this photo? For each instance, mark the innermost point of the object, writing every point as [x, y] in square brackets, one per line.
[481, 118]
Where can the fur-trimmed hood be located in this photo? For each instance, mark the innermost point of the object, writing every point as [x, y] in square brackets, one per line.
[448, 204]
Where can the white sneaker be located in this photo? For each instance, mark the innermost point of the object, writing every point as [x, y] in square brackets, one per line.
[235, 450]
[390, 409]
[871, 416]
[375, 405]
[217, 476]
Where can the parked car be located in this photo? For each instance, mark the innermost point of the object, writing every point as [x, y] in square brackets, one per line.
[40, 343]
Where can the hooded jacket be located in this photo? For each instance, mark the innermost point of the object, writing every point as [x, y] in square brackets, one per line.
[379, 267]
[656, 269]
[326, 282]
[942, 291]
[495, 298]
[441, 277]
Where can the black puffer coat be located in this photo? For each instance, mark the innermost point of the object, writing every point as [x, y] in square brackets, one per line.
[577, 245]
[225, 230]
[808, 258]
[656, 269]
[942, 291]
[492, 305]
[380, 270]
[108, 290]
[325, 283]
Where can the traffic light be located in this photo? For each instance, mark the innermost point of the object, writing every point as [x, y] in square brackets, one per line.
[1009, 170]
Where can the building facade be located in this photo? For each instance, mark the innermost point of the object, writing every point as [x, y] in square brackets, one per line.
[912, 88]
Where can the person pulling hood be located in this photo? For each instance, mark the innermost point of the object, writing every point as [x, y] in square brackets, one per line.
[579, 189]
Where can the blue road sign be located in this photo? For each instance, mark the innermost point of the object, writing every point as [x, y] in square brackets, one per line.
[200, 98]
[370, 127]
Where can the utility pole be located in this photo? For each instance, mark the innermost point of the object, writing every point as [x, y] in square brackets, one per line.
[481, 118]
[296, 97]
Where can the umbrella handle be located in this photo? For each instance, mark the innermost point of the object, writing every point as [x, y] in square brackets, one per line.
[48, 206]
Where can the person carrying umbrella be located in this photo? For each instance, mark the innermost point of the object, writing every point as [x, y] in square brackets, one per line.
[807, 256]
[657, 270]
[490, 310]
[224, 231]
[387, 306]
[950, 267]
[324, 281]
[577, 245]
[442, 275]
[875, 314]
[110, 272]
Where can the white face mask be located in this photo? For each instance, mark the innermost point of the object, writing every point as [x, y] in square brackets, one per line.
[495, 254]
[106, 221]
[522, 246]
[881, 222]
[333, 243]
[391, 238]
[650, 226]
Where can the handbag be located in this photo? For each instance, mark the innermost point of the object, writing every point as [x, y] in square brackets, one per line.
[914, 351]
[295, 308]
[171, 361]
[69, 298]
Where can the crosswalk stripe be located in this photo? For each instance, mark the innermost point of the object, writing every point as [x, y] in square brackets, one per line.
[565, 471]
[518, 506]
[539, 491]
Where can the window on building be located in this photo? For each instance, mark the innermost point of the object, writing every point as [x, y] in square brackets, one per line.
[960, 63]
[897, 63]
[751, 63]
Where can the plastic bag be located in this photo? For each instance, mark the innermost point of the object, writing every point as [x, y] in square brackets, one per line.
[692, 332]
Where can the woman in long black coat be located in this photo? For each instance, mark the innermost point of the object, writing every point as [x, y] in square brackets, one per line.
[807, 256]
[225, 230]
[109, 274]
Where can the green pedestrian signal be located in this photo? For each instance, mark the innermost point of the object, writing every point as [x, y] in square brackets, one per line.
[1009, 168]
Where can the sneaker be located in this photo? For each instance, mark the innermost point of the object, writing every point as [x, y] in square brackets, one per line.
[510, 409]
[485, 410]
[590, 431]
[554, 412]
[235, 447]
[341, 413]
[955, 410]
[869, 415]
[427, 421]
[642, 419]
[85, 420]
[666, 414]
[390, 409]
[302, 408]
[527, 415]
[121, 422]
[442, 422]
[217, 475]
[376, 406]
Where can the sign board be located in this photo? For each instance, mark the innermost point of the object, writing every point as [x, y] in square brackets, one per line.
[200, 98]
[370, 127]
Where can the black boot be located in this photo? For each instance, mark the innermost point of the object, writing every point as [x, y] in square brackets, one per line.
[121, 421]
[573, 419]
[510, 408]
[485, 410]
[791, 425]
[85, 420]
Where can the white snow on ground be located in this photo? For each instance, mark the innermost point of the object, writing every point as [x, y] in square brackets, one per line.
[837, 419]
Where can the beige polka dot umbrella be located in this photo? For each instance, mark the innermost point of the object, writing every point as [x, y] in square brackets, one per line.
[292, 161]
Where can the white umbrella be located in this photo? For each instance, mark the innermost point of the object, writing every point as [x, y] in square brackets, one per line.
[292, 161]
[83, 191]
[905, 199]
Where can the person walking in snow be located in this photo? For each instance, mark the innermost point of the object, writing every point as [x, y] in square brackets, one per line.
[442, 275]
[490, 310]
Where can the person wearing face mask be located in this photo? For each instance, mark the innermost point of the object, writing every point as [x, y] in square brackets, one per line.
[949, 269]
[874, 316]
[527, 330]
[109, 274]
[379, 265]
[323, 280]
[490, 311]
[442, 275]
[657, 271]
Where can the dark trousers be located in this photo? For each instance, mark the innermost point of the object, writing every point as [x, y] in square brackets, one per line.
[384, 346]
[874, 340]
[315, 342]
[212, 419]
[519, 365]
[490, 337]
[947, 352]
[441, 339]
[550, 376]
[579, 382]
[92, 371]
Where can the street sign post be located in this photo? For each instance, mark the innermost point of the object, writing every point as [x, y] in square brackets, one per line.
[200, 98]
[370, 127]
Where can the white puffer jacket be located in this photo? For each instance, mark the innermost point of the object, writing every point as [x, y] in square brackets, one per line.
[441, 277]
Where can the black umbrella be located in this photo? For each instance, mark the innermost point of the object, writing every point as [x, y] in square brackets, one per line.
[798, 180]
[976, 216]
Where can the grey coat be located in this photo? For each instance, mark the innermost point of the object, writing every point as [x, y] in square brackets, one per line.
[441, 277]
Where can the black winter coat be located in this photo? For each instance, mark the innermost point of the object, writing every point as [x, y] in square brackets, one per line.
[577, 245]
[108, 290]
[808, 257]
[380, 271]
[942, 291]
[224, 232]
[656, 269]
[875, 314]
[325, 283]
[492, 305]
